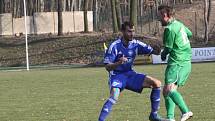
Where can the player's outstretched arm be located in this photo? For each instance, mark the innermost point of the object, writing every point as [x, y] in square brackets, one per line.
[156, 49]
[155, 52]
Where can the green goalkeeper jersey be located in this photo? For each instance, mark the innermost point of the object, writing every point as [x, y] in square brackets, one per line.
[176, 38]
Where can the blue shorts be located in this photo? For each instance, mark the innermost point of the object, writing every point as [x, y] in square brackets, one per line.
[129, 80]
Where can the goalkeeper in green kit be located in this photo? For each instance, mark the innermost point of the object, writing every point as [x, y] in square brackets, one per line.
[177, 46]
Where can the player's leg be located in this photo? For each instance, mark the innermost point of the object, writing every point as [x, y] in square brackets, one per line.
[175, 75]
[107, 107]
[175, 96]
[169, 103]
[139, 81]
[170, 79]
[116, 84]
[183, 75]
[155, 84]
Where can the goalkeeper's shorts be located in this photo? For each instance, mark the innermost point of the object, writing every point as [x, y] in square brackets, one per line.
[177, 74]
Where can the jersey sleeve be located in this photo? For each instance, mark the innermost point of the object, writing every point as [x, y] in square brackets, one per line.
[168, 38]
[144, 48]
[110, 55]
[189, 33]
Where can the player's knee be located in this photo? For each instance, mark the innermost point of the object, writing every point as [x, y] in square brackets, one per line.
[115, 94]
[152, 82]
[165, 91]
[168, 89]
[156, 83]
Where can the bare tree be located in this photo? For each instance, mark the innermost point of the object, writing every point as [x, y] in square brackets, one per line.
[85, 16]
[133, 13]
[206, 21]
[79, 4]
[95, 10]
[1, 6]
[209, 10]
[118, 13]
[71, 5]
[67, 6]
[30, 7]
[191, 1]
[114, 18]
[60, 18]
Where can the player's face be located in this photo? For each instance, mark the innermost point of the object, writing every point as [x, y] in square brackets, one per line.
[128, 33]
[163, 18]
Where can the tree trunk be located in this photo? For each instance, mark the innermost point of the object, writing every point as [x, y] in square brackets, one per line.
[42, 5]
[79, 5]
[206, 21]
[17, 8]
[129, 8]
[118, 13]
[13, 7]
[133, 13]
[191, 1]
[114, 18]
[64, 5]
[90, 6]
[1, 6]
[71, 5]
[21, 8]
[52, 6]
[85, 16]
[30, 8]
[67, 5]
[38, 6]
[209, 11]
[60, 18]
[95, 9]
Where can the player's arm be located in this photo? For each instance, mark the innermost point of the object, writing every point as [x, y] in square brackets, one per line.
[156, 49]
[111, 57]
[189, 33]
[168, 40]
[113, 66]
[165, 52]
[145, 49]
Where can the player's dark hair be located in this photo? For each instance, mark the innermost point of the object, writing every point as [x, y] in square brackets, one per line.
[166, 9]
[126, 23]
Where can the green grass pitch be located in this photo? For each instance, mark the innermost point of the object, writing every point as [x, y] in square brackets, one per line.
[78, 94]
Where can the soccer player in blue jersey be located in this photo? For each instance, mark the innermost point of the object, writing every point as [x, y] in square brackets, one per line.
[118, 60]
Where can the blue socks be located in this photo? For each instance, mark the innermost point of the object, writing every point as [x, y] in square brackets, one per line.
[155, 104]
[155, 100]
[106, 109]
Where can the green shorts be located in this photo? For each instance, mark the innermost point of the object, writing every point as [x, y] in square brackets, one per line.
[177, 73]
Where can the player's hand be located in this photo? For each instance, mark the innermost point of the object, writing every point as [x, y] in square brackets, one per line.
[156, 48]
[123, 60]
[163, 56]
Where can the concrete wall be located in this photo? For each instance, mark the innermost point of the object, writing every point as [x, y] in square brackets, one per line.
[6, 24]
[44, 22]
[68, 22]
[19, 25]
[90, 20]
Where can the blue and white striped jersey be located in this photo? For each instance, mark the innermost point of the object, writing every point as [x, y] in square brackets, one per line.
[116, 50]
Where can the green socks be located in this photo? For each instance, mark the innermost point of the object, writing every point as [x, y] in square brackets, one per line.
[170, 107]
[179, 101]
